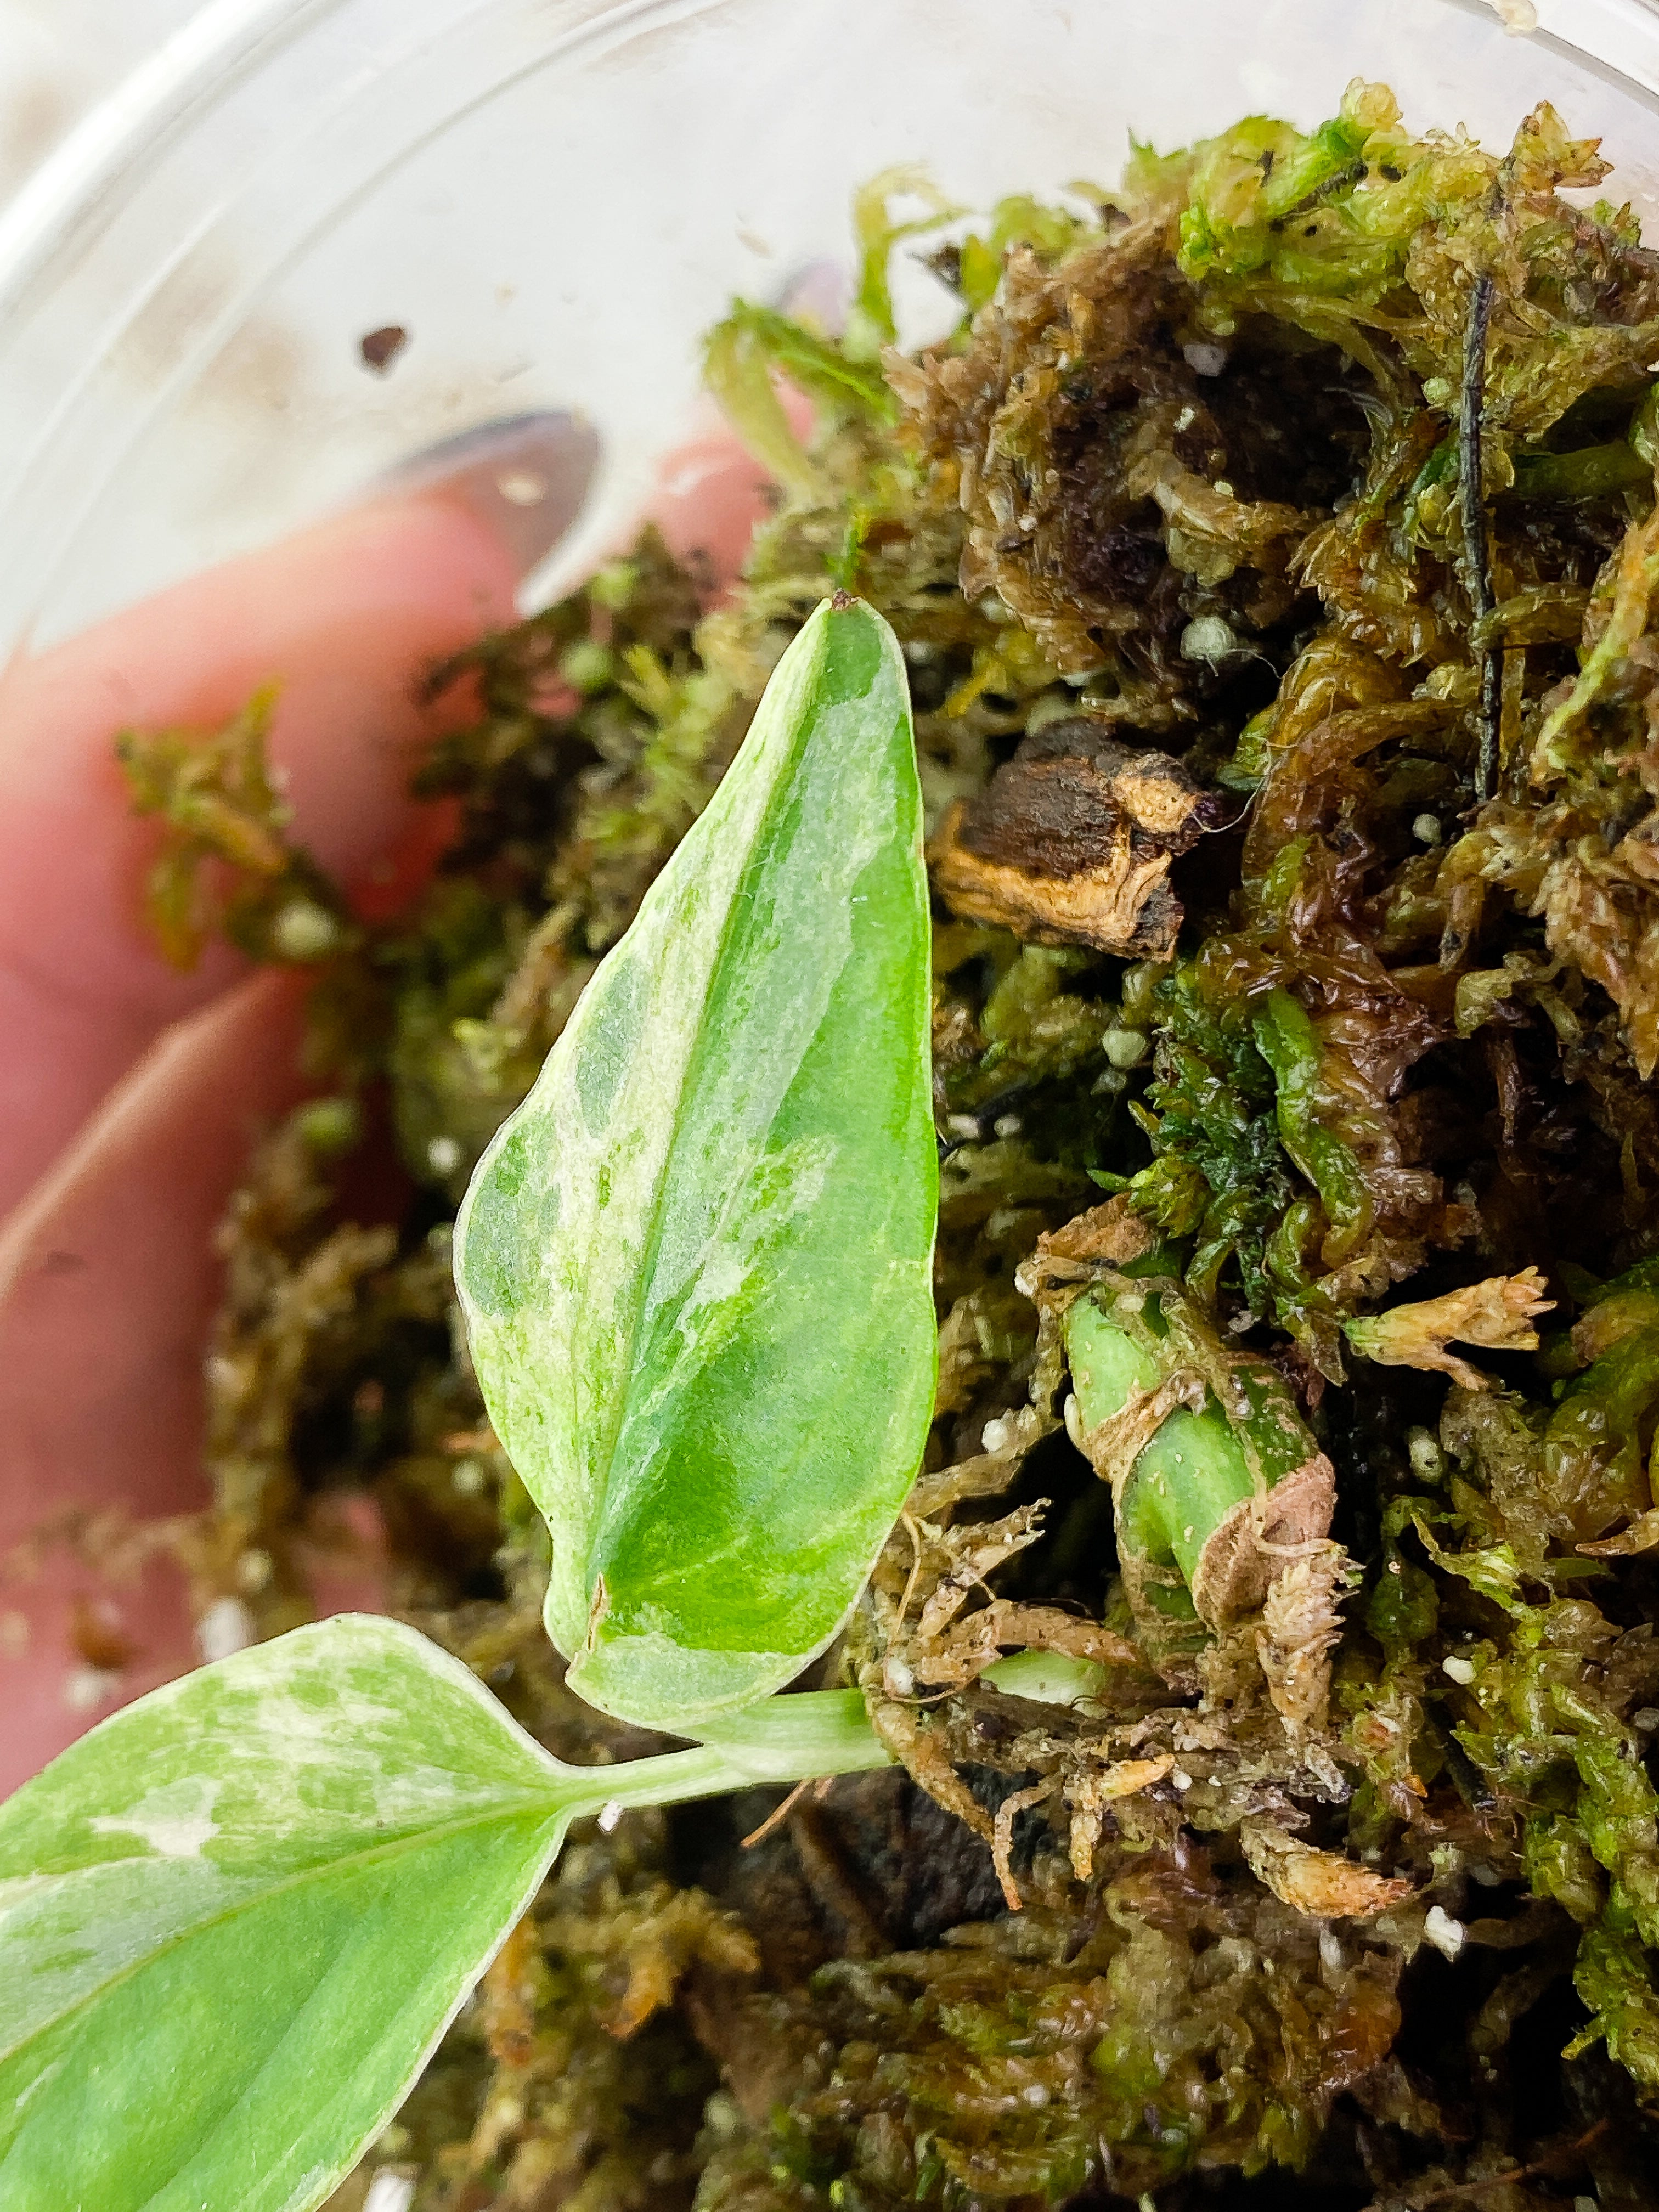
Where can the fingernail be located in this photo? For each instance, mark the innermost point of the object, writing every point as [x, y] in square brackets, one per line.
[526, 476]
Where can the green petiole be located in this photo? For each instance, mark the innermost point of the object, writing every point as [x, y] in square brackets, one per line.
[805, 1737]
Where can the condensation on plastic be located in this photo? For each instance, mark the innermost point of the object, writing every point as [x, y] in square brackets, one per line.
[554, 197]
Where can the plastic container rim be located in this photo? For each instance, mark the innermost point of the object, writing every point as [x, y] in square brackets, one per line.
[132, 125]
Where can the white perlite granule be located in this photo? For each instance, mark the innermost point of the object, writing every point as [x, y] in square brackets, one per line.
[226, 1628]
[1443, 1932]
[1518, 16]
[390, 2192]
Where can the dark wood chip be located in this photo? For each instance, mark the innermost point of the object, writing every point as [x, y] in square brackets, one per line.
[1070, 842]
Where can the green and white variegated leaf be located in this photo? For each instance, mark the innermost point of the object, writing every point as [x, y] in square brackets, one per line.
[696, 1263]
[235, 1919]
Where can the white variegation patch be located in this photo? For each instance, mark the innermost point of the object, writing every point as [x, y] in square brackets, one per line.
[331, 1833]
[176, 1820]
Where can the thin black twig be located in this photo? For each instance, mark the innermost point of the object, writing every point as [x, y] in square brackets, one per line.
[1353, 174]
[1477, 559]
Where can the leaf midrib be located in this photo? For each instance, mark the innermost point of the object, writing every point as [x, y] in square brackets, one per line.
[552, 1806]
[651, 1244]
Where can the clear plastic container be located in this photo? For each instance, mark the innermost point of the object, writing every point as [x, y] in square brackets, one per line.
[555, 197]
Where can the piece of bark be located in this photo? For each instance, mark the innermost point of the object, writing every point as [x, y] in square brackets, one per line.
[1071, 841]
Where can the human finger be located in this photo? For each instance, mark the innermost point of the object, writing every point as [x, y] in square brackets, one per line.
[342, 618]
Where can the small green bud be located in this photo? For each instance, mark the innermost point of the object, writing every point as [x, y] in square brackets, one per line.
[1428, 1461]
[1209, 638]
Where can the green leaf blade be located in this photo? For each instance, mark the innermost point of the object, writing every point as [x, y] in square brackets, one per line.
[218, 1992]
[696, 1264]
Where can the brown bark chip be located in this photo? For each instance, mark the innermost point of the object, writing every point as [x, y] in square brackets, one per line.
[1071, 843]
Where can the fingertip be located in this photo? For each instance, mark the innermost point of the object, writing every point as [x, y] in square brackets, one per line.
[342, 620]
[710, 496]
[526, 478]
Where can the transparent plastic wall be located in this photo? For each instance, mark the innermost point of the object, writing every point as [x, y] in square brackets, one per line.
[554, 197]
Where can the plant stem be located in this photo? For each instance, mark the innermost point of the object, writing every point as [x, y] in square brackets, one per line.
[1209, 1460]
[1592, 472]
[786, 1739]
[794, 1739]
